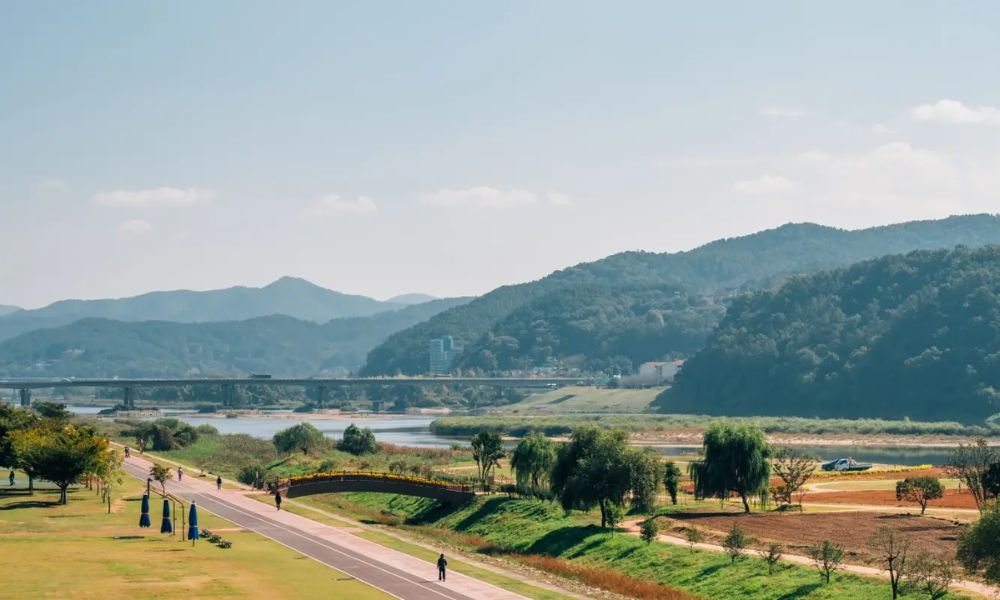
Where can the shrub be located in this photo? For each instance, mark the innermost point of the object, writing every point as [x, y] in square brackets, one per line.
[358, 441]
[736, 542]
[649, 529]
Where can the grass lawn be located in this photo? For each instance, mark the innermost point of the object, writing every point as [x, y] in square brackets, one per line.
[55, 551]
[583, 399]
[524, 529]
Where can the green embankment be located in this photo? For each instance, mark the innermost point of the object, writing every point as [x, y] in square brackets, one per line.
[585, 399]
[80, 550]
[527, 528]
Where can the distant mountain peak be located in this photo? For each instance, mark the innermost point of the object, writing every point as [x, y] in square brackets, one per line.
[412, 298]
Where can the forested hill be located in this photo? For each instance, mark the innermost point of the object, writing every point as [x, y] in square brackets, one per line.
[913, 336]
[275, 344]
[748, 262]
[596, 328]
[287, 296]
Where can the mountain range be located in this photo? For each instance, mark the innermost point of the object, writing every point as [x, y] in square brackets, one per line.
[277, 344]
[722, 268]
[289, 296]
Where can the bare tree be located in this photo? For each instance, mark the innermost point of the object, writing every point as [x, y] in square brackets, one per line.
[931, 574]
[793, 469]
[891, 549]
[970, 464]
[827, 557]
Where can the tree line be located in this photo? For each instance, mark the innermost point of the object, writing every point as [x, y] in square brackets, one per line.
[44, 444]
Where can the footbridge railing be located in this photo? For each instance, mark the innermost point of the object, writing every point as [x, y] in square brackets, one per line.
[374, 481]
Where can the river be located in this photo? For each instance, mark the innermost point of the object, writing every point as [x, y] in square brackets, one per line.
[415, 431]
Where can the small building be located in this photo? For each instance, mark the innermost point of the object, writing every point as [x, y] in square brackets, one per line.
[442, 355]
[653, 373]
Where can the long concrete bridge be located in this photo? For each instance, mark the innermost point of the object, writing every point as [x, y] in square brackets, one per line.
[363, 481]
[229, 384]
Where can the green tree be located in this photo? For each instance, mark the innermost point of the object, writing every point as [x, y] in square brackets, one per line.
[597, 468]
[487, 450]
[735, 459]
[109, 473]
[51, 410]
[694, 536]
[892, 549]
[920, 490]
[649, 529]
[646, 473]
[165, 434]
[11, 420]
[160, 473]
[532, 460]
[979, 546]
[302, 437]
[736, 542]
[672, 479]
[358, 441]
[827, 557]
[60, 455]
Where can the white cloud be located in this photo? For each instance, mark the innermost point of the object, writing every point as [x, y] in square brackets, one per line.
[783, 112]
[488, 197]
[953, 112]
[162, 197]
[135, 228]
[333, 205]
[765, 185]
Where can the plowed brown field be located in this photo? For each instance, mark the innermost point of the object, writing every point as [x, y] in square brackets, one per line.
[797, 532]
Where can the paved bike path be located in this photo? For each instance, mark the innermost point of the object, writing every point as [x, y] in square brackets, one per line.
[390, 571]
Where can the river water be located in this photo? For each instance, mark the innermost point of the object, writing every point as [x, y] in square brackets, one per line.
[415, 431]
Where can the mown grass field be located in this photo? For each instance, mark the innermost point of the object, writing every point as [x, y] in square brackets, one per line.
[554, 425]
[586, 399]
[530, 530]
[81, 551]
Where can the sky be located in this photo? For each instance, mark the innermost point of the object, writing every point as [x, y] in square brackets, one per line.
[451, 147]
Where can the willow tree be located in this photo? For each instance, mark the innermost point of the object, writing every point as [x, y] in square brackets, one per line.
[532, 460]
[736, 459]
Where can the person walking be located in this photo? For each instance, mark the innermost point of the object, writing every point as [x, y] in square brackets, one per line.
[218, 483]
[180, 473]
[277, 499]
[442, 566]
[11, 477]
[128, 452]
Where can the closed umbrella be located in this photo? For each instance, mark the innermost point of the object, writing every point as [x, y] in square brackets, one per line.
[144, 517]
[166, 526]
[193, 524]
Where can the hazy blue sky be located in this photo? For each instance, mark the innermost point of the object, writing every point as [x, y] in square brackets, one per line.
[450, 147]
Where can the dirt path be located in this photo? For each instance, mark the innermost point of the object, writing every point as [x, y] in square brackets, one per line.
[632, 527]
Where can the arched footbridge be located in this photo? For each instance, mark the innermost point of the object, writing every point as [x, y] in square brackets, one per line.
[369, 481]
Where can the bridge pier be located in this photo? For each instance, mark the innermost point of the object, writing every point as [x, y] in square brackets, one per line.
[25, 397]
[228, 394]
[128, 401]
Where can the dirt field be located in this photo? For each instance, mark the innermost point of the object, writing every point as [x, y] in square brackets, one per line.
[799, 531]
[952, 499]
